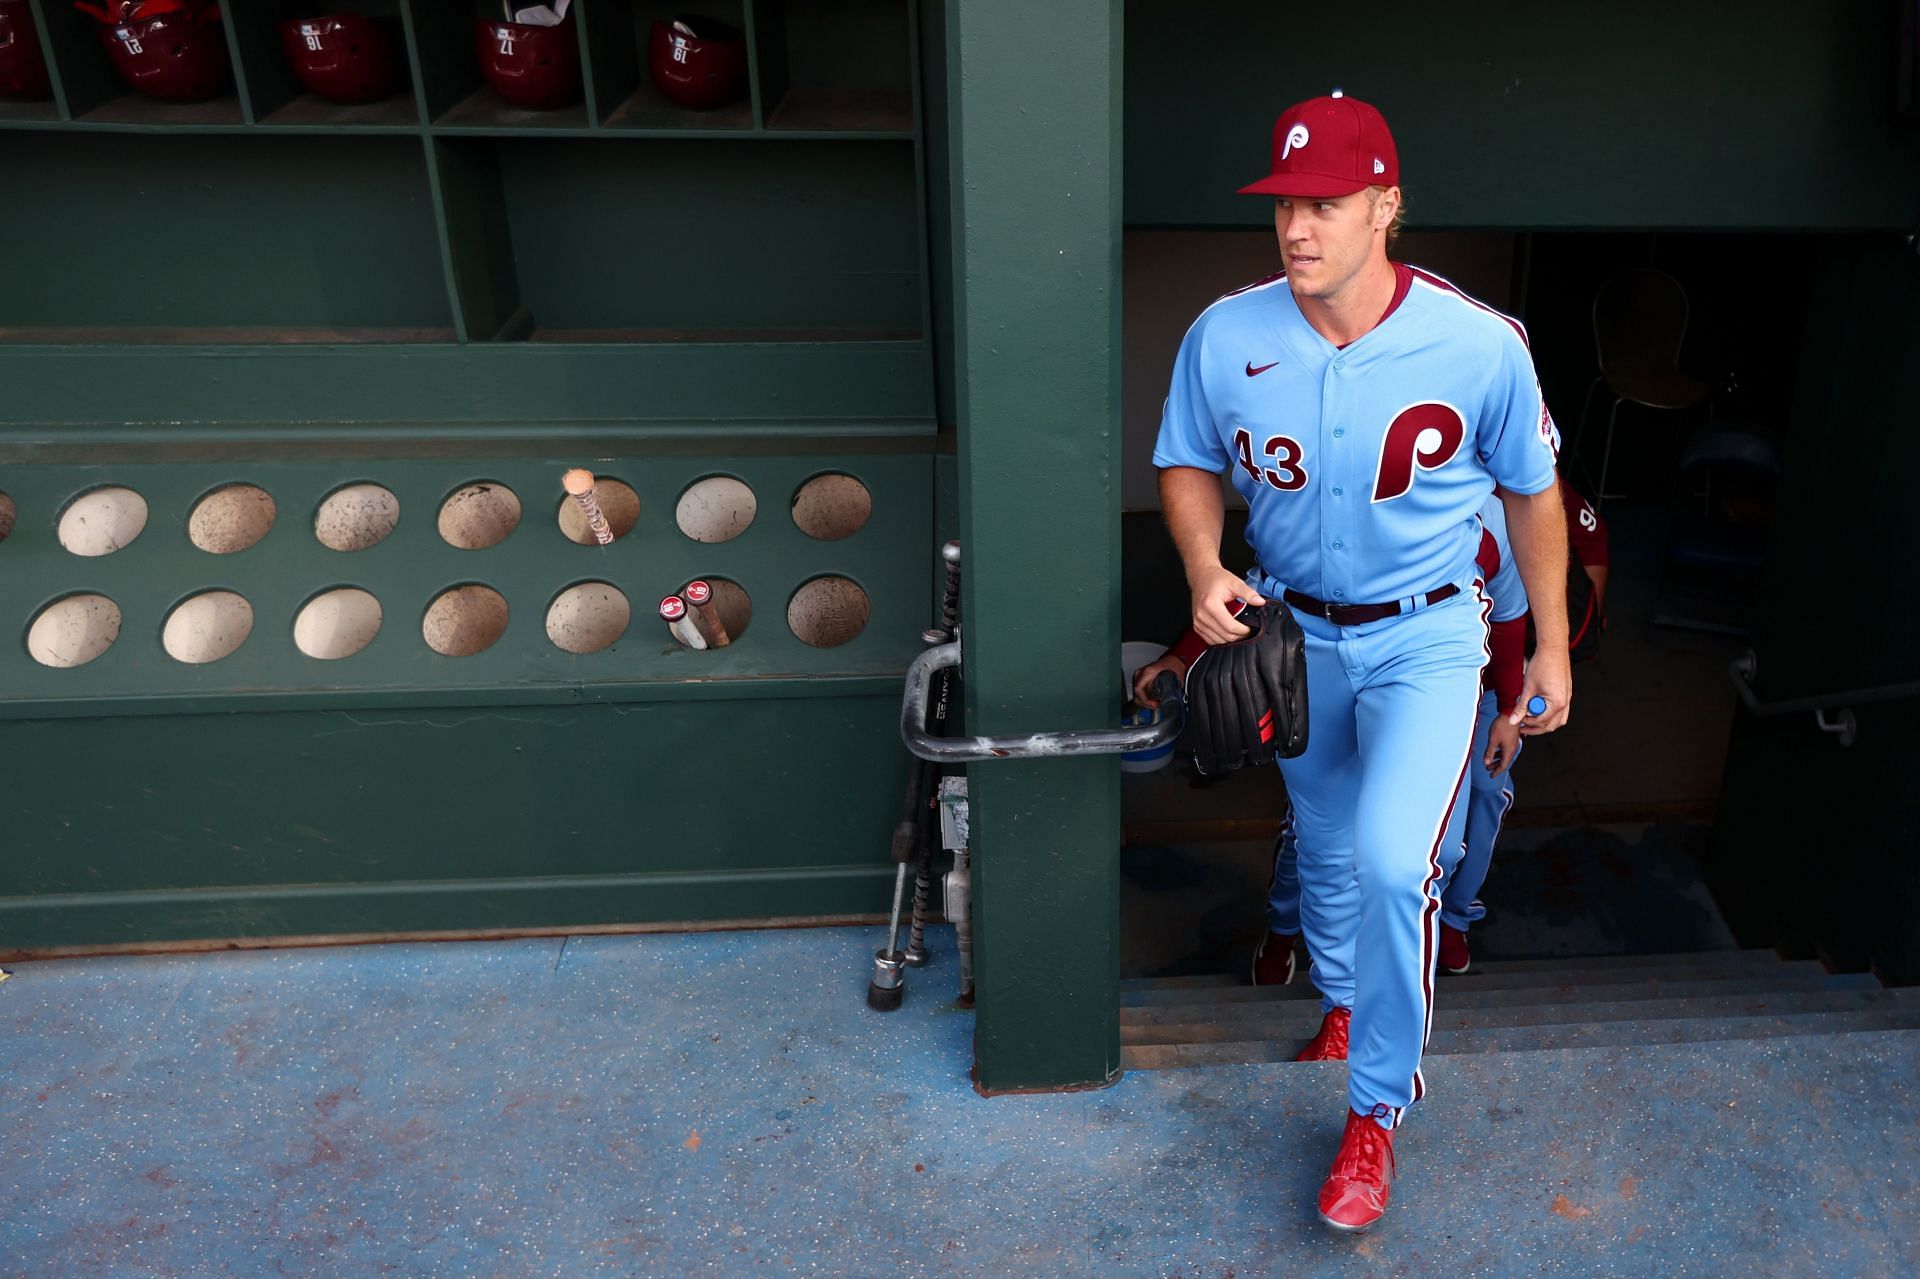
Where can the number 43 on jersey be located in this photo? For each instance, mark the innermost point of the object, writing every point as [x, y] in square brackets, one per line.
[1421, 437]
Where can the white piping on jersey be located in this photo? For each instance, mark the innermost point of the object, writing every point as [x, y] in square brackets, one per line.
[1447, 288]
[1278, 277]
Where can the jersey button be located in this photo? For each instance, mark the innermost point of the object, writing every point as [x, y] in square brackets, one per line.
[1336, 546]
[1339, 431]
[1339, 365]
[1336, 492]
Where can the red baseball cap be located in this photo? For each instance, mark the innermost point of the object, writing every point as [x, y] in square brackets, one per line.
[1329, 146]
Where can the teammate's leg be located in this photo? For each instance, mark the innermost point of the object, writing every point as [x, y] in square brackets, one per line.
[1273, 960]
[1486, 808]
[1283, 890]
[1415, 722]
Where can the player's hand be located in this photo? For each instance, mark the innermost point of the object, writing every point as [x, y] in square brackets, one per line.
[1503, 743]
[1144, 677]
[1550, 678]
[1212, 592]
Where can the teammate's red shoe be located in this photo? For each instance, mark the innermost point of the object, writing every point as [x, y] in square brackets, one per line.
[1356, 1191]
[1273, 962]
[1454, 957]
[1331, 1043]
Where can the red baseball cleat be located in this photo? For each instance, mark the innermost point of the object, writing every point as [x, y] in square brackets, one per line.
[1331, 1043]
[1356, 1192]
[1273, 962]
[1453, 950]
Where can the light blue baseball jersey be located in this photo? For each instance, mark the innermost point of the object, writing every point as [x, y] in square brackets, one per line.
[1364, 466]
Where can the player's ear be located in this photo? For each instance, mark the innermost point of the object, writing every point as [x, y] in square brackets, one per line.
[1386, 208]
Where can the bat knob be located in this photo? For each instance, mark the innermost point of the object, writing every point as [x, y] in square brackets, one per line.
[950, 552]
[1536, 705]
[577, 482]
[888, 987]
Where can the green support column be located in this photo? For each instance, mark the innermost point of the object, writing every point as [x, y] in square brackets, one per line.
[1034, 128]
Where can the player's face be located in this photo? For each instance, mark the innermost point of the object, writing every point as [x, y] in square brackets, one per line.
[1327, 242]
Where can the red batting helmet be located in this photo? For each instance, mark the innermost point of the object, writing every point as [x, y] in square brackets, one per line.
[342, 57]
[177, 57]
[533, 67]
[698, 62]
[23, 70]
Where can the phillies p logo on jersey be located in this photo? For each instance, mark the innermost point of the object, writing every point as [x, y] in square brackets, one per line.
[1421, 436]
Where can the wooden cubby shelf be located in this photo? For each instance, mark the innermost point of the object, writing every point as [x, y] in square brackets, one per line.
[395, 114]
[28, 115]
[443, 214]
[483, 111]
[133, 111]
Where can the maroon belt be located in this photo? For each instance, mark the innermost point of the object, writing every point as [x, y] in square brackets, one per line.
[1360, 614]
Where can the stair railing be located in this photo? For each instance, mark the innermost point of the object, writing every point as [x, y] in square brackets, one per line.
[1832, 712]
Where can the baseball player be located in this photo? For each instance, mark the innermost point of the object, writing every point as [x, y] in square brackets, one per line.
[1476, 824]
[1365, 410]
[1496, 742]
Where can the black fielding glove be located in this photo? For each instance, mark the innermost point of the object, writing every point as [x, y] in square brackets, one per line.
[1247, 701]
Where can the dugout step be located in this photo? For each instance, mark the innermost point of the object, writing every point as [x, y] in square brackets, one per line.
[1296, 1023]
[1527, 1005]
[1545, 980]
[1453, 998]
[1542, 1039]
[1756, 959]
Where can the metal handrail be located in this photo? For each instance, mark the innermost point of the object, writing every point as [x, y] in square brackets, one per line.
[969, 750]
[1832, 712]
[1745, 668]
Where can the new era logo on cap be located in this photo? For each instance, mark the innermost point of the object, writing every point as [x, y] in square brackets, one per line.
[1352, 148]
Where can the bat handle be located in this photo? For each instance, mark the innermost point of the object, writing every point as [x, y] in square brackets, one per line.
[579, 486]
[705, 613]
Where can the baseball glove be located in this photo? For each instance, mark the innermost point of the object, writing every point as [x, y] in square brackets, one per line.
[1247, 701]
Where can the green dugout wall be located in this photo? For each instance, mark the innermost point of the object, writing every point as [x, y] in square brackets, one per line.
[424, 303]
[895, 261]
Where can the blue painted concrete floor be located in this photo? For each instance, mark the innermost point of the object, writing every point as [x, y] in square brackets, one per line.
[726, 1104]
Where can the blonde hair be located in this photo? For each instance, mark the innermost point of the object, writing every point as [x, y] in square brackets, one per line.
[1399, 212]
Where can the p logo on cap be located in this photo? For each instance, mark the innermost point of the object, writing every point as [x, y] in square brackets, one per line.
[1352, 149]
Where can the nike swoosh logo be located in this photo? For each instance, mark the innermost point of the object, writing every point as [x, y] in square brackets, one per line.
[1253, 372]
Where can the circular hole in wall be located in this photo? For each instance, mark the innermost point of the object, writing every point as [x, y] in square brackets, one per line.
[230, 519]
[827, 611]
[479, 515]
[618, 502]
[8, 514]
[103, 520]
[732, 603]
[588, 617]
[337, 623]
[356, 517]
[464, 621]
[716, 509]
[832, 506]
[206, 627]
[73, 631]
